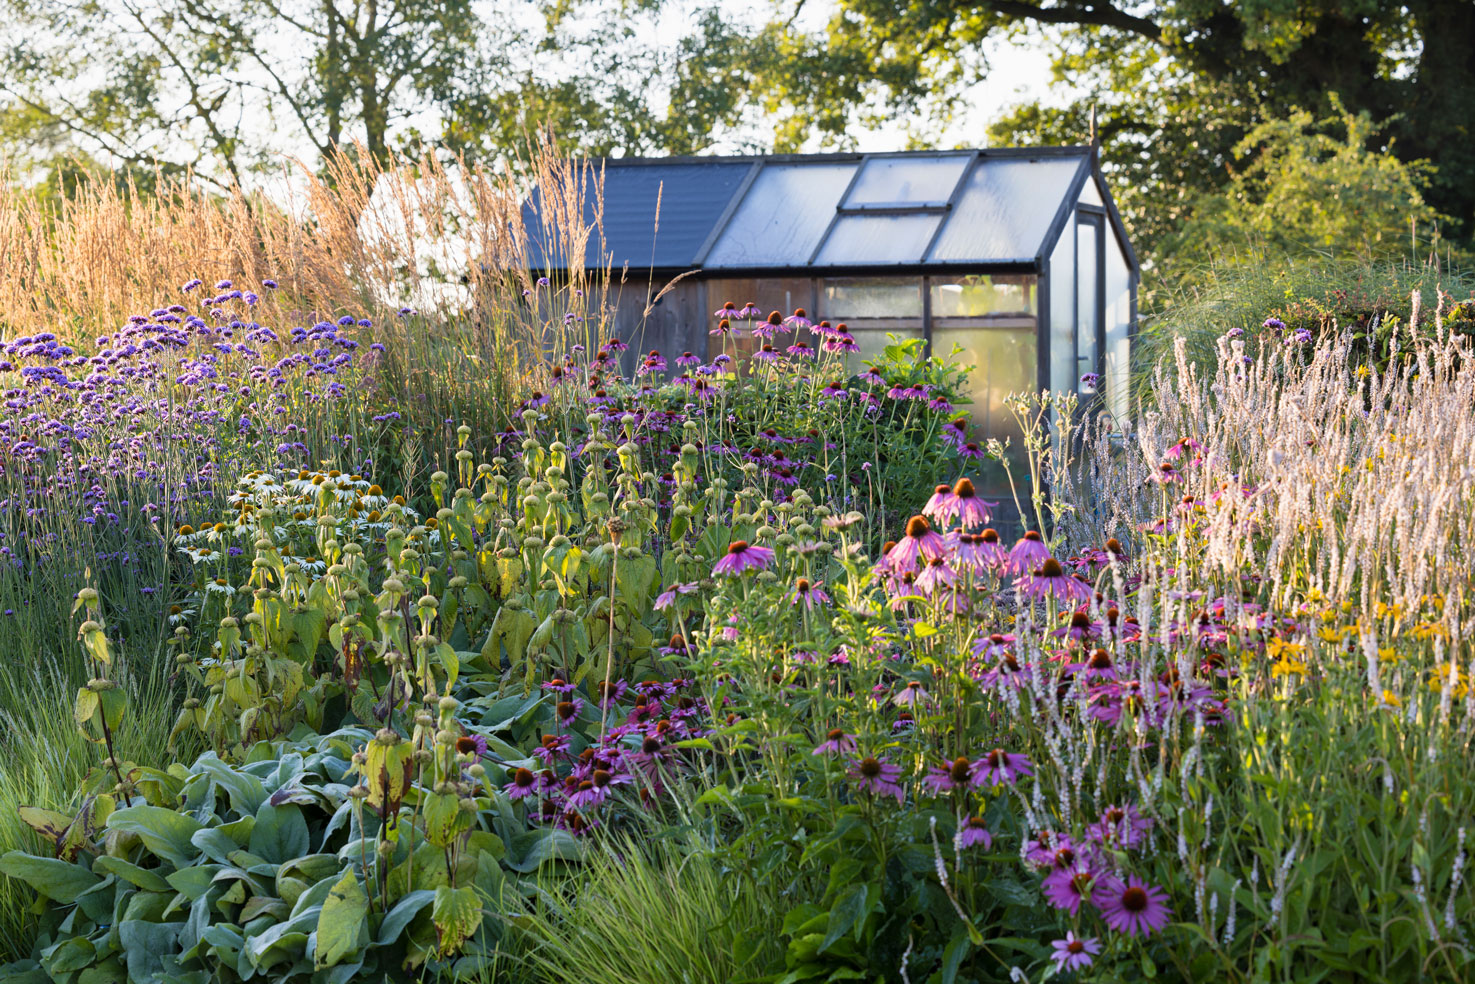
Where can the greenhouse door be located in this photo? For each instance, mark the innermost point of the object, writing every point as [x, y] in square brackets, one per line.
[1090, 297]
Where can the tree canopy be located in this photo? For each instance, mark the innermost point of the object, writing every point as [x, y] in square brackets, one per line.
[1182, 90]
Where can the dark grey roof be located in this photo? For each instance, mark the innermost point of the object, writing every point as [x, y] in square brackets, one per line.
[691, 197]
[827, 211]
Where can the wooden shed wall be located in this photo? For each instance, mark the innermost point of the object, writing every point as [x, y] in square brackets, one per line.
[676, 323]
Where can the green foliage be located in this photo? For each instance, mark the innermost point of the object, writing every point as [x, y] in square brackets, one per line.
[1371, 299]
[260, 868]
[535, 562]
[1307, 186]
[47, 759]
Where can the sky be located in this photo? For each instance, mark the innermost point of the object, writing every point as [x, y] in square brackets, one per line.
[1018, 73]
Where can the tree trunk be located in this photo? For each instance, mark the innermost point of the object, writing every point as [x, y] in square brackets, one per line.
[1436, 123]
[333, 75]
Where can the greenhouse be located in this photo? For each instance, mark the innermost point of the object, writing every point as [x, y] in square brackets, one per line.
[1012, 261]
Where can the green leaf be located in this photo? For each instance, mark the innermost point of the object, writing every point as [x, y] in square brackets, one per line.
[536, 846]
[86, 706]
[164, 832]
[61, 881]
[309, 626]
[193, 881]
[215, 845]
[457, 914]
[284, 941]
[114, 703]
[264, 905]
[1010, 892]
[280, 833]
[847, 914]
[341, 922]
[443, 818]
[145, 878]
[952, 958]
[404, 910]
[245, 791]
[449, 662]
[542, 635]
[69, 955]
[145, 944]
[797, 919]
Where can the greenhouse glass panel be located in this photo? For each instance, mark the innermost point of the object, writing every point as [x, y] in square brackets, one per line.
[1004, 209]
[1118, 330]
[1002, 361]
[983, 296]
[906, 181]
[1062, 327]
[853, 298]
[1088, 323]
[878, 239]
[782, 217]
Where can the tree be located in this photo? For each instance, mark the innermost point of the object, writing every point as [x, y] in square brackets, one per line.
[219, 86]
[1305, 186]
[222, 87]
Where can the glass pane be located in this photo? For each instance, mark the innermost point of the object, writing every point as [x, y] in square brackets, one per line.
[878, 239]
[906, 180]
[1063, 315]
[1005, 209]
[1118, 330]
[1002, 362]
[982, 296]
[855, 297]
[1086, 326]
[780, 220]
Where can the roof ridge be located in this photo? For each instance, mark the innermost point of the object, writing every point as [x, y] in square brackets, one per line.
[1060, 150]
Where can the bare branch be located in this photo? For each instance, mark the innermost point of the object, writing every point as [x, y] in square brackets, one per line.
[1096, 12]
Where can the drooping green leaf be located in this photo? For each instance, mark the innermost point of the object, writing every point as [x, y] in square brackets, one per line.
[59, 880]
[280, 833]
[531, 848]
[457, 914]
[147, 879]
[114, 702]
[85, 707]
[245, 791]
[166, 833]
[341, 922]
[69, 955]
[449, 662]
[404, 910]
